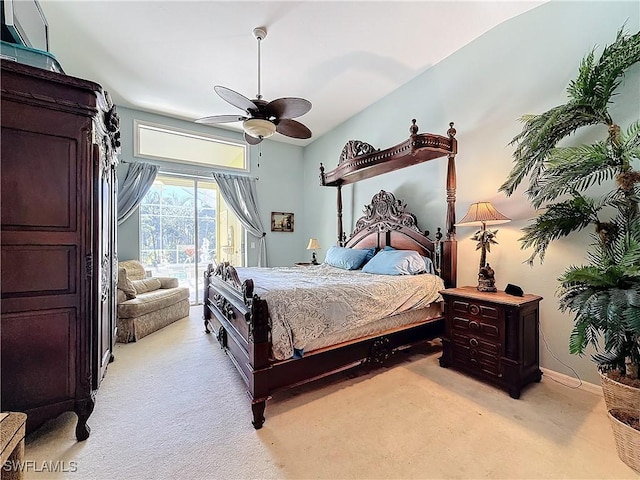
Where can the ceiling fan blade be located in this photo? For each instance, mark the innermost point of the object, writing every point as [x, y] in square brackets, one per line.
[288, 107]
[293, 129]
[235, 99]
[251, 140]
[220, 119]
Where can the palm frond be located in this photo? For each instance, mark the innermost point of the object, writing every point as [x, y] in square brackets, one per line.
[582, 335]
[610, 360]
[632, 316]
[540, 134]
[559, 220]
[631, 138]
[574, 169]
[577, 87]
[614, 61]
[590, 94]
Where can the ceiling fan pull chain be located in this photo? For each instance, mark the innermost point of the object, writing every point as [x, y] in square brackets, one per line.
[259, 153]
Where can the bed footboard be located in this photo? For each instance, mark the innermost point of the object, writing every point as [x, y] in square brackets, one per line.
[240, 321]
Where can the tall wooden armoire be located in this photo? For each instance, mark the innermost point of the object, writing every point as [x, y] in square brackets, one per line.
[60, 139]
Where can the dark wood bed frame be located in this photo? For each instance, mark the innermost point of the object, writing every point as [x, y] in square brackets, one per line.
[240, 318]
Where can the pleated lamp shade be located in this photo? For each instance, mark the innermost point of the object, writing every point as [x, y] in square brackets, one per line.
[483, 213]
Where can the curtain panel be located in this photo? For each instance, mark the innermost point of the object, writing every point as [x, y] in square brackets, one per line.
[239, 192]
[140, 176]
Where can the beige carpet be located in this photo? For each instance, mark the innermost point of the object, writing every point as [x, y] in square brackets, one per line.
[173, 406]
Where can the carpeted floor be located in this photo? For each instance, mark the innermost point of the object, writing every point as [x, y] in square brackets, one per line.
[173, 407]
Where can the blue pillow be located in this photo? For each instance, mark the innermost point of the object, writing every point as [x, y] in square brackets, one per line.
[346, 258]
[395, 262]
[428, 263]
[370, 253]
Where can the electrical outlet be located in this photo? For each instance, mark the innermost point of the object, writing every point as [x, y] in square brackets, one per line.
[253, 244]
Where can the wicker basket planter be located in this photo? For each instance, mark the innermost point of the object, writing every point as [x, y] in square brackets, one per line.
[619, 395]
[627, 439]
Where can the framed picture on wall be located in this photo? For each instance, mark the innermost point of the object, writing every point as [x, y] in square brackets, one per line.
[281, 222]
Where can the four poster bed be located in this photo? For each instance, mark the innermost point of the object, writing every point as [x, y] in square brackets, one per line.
[286, 326]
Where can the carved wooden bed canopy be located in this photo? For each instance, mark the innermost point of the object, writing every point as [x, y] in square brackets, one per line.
[359, 161]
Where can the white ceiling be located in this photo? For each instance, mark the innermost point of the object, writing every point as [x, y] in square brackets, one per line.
[166, 56]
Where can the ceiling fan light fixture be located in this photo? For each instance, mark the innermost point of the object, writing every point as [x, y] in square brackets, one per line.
[259, 127]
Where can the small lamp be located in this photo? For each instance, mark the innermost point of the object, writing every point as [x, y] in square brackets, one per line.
[313, 245]
[483, 214]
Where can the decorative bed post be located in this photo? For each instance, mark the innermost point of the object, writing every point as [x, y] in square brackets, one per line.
[451, 184]
[451, 244]
[341, 236]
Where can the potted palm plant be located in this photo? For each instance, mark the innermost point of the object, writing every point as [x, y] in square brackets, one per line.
[566, 182]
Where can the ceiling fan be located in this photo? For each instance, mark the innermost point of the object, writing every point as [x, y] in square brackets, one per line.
[263, 118]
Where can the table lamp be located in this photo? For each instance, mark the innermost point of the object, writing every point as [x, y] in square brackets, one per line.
[313, 245]
[483, 214]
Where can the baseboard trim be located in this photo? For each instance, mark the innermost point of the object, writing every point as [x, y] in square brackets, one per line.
[571, 381]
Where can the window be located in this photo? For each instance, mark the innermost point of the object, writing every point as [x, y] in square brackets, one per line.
[184, 226]
[172, 144]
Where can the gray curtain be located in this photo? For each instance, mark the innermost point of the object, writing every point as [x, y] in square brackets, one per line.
[137, 182]
[240, 194]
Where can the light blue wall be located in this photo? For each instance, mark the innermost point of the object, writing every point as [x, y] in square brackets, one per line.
[521, 66]
[279, 187]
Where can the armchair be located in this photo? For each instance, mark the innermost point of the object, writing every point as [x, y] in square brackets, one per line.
[146, 305]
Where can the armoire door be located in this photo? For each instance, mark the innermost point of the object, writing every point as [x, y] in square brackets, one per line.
[102, 280]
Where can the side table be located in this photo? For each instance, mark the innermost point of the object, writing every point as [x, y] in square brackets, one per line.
[492, 336]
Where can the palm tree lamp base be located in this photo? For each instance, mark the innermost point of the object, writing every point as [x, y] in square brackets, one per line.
[486, 279]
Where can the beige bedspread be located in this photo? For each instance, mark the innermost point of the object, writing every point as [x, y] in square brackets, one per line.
[307, 303]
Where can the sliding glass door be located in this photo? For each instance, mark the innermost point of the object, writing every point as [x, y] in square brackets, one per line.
[184, 226]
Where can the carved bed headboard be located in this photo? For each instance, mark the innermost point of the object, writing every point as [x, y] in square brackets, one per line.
[386, 222]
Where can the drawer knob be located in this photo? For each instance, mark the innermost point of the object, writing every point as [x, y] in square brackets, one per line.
[474, 309]
[473, 342]
[474, 325]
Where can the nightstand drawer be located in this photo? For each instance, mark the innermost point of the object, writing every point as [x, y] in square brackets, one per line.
[476, 343]
[476, 310]
[476, 326]
[476, 361]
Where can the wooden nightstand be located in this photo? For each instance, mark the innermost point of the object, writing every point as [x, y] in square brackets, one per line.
[492, 336]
